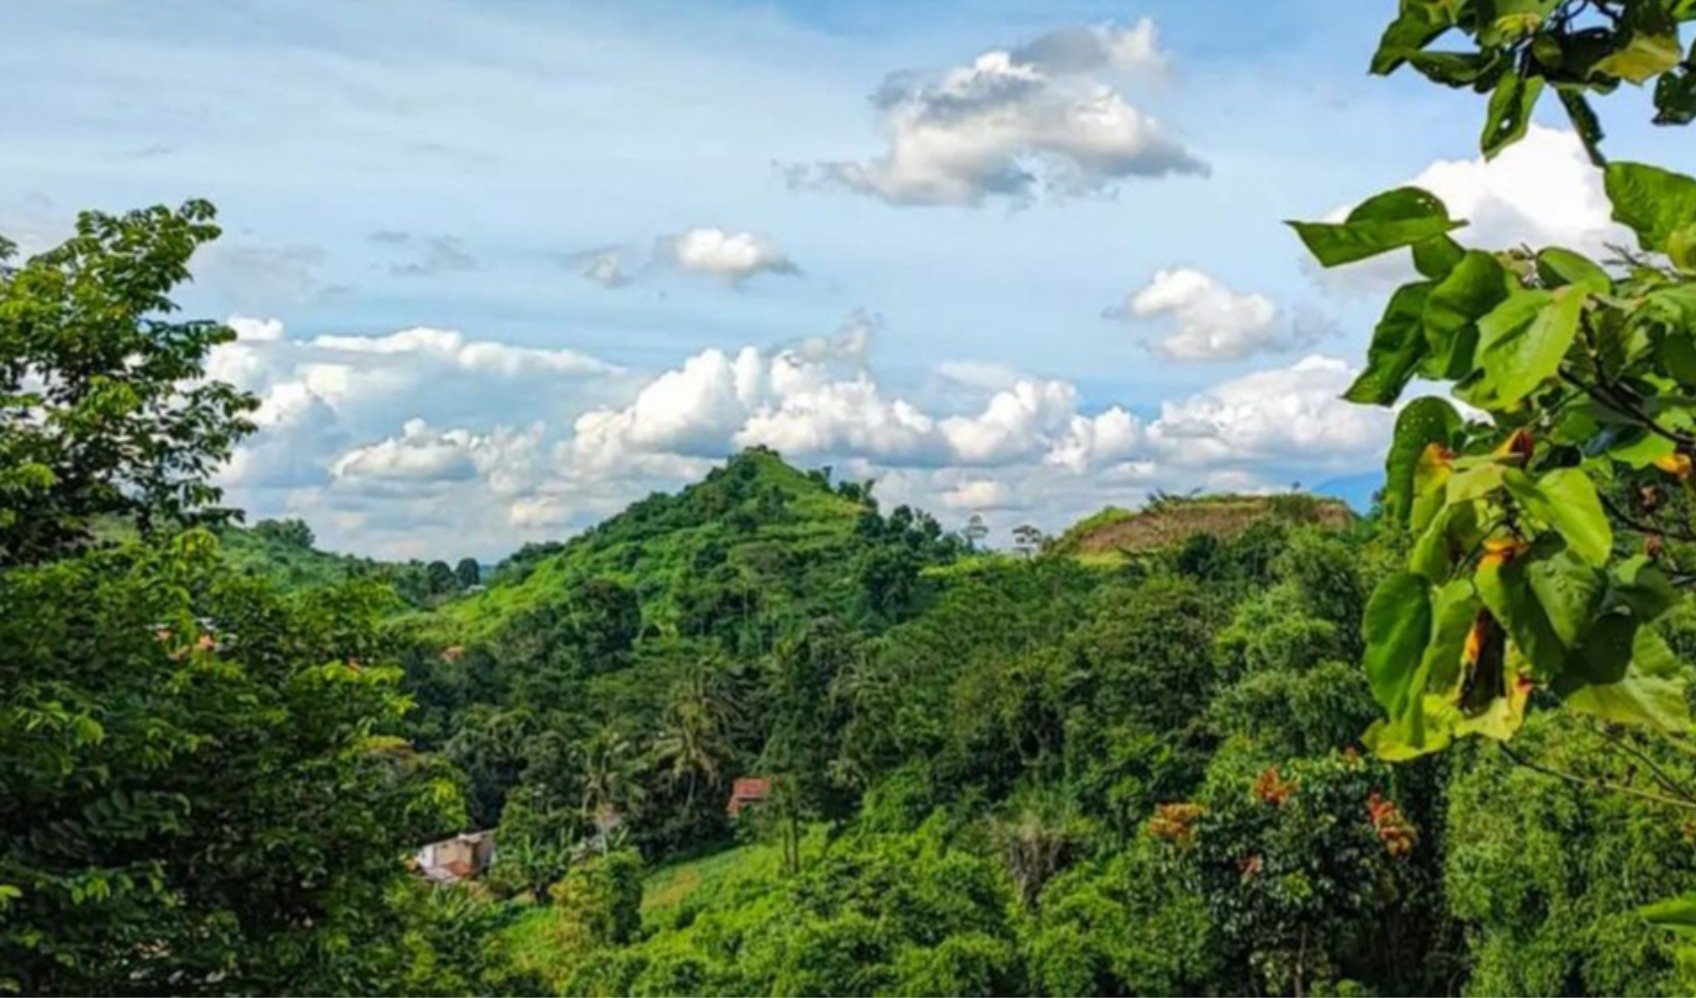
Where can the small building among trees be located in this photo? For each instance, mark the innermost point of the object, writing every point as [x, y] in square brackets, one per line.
[748, 791]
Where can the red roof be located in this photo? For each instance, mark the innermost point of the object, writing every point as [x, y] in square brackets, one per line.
[748, 790]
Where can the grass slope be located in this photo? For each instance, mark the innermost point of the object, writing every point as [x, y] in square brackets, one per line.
[1114, 533]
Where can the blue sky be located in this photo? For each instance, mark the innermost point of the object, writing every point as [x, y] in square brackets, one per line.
[1051, 280]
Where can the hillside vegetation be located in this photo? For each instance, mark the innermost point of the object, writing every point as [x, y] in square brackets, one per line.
[1168, 521]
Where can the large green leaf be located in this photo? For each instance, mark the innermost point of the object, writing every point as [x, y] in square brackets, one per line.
[1435, 257]
[1422, 422]
[1509, 113]
[1505, 586]
[1453, 533]
[1521, 343]
[1651, 692]
[1397, 627]
[1570, 590]
[1652, 202]
[1416, 26]
[1675, 97]
[1645, 55]
[1398, 345]
[1566, 500]
[1388, 221]
[1472, 288]
[1421, 720]
[1559, 267]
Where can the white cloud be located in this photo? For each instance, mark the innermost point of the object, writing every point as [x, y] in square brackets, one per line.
[1208, 321]
[1041, 118]
[977, 495]
[1291, 417]
[390, 444]
[729, 256]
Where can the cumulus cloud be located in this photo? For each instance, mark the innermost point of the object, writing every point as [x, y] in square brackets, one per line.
[1207, 321]
[319, 397]
[389, 443]
[729, 256]
[1284, 417]
[1042, 118]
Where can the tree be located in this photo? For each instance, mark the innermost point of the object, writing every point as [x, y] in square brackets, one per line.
[694, 741]
[439, 578]
[290, 532]
[468, 573]
[203, 788]
[104, 410]
[976, 530]
[1028, 540]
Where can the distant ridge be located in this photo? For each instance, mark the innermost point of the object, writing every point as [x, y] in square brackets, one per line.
[1170, 520]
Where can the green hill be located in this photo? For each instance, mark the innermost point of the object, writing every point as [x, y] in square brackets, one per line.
[284, 551]
[754, 532]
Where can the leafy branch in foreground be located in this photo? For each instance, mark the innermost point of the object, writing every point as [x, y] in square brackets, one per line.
[1521, 577]
[1521, 48]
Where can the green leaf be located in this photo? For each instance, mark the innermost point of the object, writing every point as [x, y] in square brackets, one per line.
[1473, 287]
[1651, 201]
[1651, 692]
[1584, 122]
[1681, 248]
[1424, 421]
[1398, 345]
[1570, 591]
[1506, 21]
[1388, 221]
[1561, 267]
[1416, 26]
[1458, 69]
[1645, 54]
[1397, 627]
[1435, 257]
[1677, 914]
[1675, 96]
[1566, 500]
[1522, 341]
[1423, 716]
[1509, 113]
[1505, 587]
[1452, 534]
[1641, 585]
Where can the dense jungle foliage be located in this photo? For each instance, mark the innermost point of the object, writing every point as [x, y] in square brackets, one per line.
[1088, 766]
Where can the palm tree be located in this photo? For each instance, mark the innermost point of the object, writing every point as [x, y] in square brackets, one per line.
[695, 740]
[609, 765]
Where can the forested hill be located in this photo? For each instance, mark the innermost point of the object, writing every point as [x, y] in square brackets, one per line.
[1123, 760]
[285, 552]
[756, 537]
[682, 621]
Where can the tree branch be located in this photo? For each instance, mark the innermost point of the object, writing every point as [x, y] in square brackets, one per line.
[1590, 784]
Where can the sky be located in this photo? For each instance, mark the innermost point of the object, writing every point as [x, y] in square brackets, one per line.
[499, 267]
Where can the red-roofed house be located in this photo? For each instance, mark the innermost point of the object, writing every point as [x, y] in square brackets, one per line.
[748, 791]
